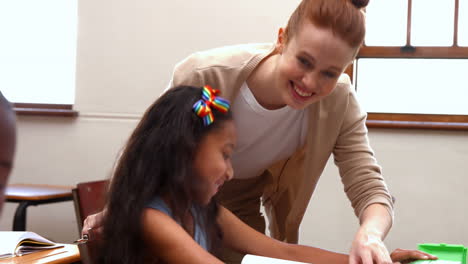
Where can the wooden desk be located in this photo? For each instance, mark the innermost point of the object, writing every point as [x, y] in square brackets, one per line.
[65, 255]
[34, 194]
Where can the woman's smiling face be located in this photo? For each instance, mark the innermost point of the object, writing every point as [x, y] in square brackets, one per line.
[310, 64]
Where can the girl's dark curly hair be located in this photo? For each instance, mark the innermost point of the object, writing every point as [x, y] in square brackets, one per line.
[158, 161]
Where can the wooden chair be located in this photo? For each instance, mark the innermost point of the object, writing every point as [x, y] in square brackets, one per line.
[89, 198]
[32, 195]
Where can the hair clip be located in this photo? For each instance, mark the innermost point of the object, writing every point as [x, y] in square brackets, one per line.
[209, 100]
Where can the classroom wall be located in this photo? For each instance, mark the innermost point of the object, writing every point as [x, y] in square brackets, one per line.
[126, 52]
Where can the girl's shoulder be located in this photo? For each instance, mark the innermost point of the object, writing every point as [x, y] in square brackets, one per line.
[159, 204]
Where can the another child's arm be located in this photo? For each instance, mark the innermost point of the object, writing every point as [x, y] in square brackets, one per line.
[168, 241]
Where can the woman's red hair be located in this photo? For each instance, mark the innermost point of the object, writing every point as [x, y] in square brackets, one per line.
[344, 17]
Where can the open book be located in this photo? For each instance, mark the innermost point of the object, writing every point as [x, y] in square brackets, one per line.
[253, 259]
[22, 243]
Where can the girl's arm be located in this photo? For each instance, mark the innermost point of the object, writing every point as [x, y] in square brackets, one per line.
[168, 241]
[92, 225]
[243, 238]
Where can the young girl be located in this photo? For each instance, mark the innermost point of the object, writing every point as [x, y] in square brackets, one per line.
[160, 207]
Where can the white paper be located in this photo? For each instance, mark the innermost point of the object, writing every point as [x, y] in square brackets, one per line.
[438, 261]
[253, 259]
[11, 239]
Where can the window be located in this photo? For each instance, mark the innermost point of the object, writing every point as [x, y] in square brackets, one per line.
[411, 70]
[37, 52]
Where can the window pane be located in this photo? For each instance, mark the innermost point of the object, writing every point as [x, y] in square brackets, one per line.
[424, 86]
[463, 23]
[432, 22]
[386, 23]
[37, 50]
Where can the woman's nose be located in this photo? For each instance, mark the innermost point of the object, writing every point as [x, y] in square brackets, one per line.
[310, 80]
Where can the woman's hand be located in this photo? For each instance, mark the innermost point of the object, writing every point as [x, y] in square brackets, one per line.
[92, 226]
[368, 248]
[403, 256]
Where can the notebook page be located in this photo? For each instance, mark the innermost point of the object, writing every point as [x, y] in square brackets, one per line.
[253, 259]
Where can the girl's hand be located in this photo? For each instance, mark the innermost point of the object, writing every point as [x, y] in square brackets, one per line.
[403, 256]
[368, 248]
[92, 226]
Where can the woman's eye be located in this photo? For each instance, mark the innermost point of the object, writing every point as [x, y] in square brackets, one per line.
[329, 74]
[304, 62]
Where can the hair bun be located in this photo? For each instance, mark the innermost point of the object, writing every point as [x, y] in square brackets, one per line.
[360, 3]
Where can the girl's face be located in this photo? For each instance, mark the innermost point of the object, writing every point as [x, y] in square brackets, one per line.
[310, 64]
[212, 162]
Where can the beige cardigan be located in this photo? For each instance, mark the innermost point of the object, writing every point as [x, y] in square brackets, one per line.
[336, 125]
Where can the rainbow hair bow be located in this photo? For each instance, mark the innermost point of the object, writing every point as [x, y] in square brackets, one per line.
[209, 100]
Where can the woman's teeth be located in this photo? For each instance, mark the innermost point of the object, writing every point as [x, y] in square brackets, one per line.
[301, 93]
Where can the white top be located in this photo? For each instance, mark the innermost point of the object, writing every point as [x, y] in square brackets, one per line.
[264, 136]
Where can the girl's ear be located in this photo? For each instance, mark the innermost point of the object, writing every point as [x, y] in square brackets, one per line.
[280, 41]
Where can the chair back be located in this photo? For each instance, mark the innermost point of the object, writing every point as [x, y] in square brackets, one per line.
[89, 198]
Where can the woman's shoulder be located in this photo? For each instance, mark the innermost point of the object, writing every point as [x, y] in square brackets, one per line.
[343, 89]
[227, 56]
[339, 100]
[344, 84]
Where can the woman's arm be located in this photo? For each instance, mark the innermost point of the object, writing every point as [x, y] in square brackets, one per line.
[364, 185]
[377, 220]
[368, 243]
[169, 242]
[241, 237]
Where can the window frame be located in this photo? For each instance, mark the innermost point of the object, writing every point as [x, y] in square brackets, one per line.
[40, 108]
[418, 121]
[58, 110]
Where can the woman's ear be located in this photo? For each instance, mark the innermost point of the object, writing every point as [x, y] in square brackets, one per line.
[280, 41]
